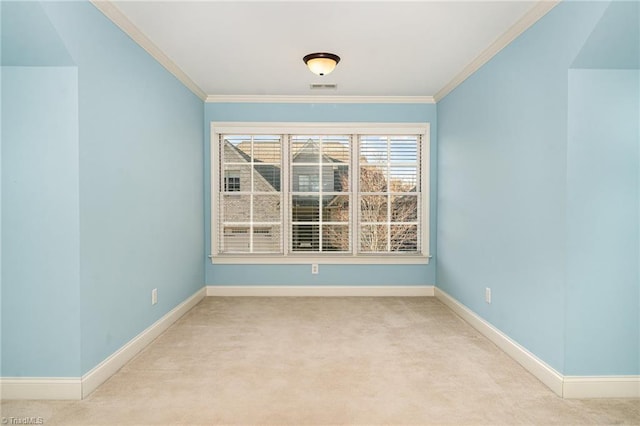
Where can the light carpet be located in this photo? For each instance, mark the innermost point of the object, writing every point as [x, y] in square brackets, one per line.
[316, 360]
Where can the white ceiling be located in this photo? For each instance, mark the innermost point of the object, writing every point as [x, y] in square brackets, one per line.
[388, 48]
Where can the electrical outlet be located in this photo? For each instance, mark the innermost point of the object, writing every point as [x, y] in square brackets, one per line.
[154, 296]
[314, 268]
[487, 295]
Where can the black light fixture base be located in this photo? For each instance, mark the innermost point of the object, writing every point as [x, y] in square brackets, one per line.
[317, 55]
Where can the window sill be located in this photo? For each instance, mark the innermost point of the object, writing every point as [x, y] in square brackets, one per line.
[331, 260]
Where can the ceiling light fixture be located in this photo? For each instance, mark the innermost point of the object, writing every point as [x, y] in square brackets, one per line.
[321, 63]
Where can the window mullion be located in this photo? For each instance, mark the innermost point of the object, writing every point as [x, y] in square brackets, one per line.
[219, 197]
[424, 193]
[251, 195]
[285, 196]
[388, 224]
[320, 188]
[354, 201]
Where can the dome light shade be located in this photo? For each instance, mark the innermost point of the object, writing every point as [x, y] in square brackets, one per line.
[321, 63]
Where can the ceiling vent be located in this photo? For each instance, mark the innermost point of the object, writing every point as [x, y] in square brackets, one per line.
[323, 86]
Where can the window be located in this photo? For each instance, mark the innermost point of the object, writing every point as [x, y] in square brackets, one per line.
[388, 194]
[319, 168]
[232, 181]
[308, 183]
[292, 193]
[249, 199]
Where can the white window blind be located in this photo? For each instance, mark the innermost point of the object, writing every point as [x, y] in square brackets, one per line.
[389, 194]
[320, 194]
[250, 196]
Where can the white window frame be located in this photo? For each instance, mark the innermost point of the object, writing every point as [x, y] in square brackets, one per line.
[355, 129]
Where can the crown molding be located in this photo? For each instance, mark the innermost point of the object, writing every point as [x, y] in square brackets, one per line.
[319, 99]
[531, 17]
[112, 12]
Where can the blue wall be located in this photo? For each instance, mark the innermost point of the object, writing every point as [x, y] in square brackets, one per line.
[41, 238]
[138, 217]
[524, 173]
[329, 274]
[105, 197]
[602, 223]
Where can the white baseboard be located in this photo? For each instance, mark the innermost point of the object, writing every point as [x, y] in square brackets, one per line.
[80, 387]
[569, 387]
[535, 365]
[40, 388]
[601, 387]
[75, 388]
[100, 373]
[323, 291]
